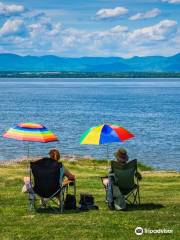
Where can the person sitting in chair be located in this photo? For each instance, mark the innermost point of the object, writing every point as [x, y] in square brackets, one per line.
[54, 156]
[114, 196]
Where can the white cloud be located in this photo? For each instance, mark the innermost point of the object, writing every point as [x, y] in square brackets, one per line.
[44, 27]
[106, 13]
[11, 9]
[119, 29]
[118, 41]
[171, 1]
[12, 27]
[40, 35]
[34, 32]
[161, 31]
[149, 14]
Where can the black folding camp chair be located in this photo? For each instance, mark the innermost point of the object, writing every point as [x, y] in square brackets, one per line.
[46, 179]
[126, 178]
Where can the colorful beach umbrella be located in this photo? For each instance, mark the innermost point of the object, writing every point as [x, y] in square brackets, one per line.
[31, 132]
[105, 134]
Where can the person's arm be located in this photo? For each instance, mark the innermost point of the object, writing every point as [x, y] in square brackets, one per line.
[68, 174]
[138, 175]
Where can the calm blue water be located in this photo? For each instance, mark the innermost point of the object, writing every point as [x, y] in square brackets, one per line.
[148, 107]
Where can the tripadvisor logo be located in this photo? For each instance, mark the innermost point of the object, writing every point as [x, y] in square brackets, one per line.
[139, 231]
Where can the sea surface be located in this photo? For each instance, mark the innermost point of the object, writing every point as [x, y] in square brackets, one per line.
[149, 108]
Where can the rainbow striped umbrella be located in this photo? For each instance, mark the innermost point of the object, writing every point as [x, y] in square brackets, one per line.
[31, 132]
[104, 134]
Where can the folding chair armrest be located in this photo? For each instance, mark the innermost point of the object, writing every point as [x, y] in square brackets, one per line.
[68, 182]
[104, 177]
[112, 176]
[138, 176]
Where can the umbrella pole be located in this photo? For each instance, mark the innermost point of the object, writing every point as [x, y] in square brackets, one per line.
[28, 163]
[108, 161]
[107, 149]
[28, 152]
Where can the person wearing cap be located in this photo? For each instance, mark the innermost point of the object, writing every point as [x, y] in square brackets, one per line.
[117, 197]
[114, 196]
[121, 156]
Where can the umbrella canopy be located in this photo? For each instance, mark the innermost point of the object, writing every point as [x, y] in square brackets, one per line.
[104, 134]
[31, 132]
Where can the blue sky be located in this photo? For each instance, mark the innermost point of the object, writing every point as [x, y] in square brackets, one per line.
[75, 28]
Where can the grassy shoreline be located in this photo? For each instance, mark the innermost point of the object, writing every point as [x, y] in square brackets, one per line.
[80, 159]
[159, 209]
[71, 159]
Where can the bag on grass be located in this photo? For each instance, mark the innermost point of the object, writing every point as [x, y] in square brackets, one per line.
[87, 202]
[86, 199]
[70, 202]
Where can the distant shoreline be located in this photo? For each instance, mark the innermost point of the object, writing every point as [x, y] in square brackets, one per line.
[39, 74]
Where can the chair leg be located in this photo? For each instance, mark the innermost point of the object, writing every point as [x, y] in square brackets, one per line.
[31, 202]
[31, 206]
[128, 198]
[62, 201]
[75, 189]
[138, 195]
[106, 191]
[134, 196]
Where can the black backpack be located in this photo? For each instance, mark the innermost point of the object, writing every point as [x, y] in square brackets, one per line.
[87, 202]
[86, 199]
[70, 202]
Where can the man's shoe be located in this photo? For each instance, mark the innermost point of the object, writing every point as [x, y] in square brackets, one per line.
[111, 205]
[118, 208]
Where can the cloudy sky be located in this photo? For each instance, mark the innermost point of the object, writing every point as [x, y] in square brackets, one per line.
[74, 28]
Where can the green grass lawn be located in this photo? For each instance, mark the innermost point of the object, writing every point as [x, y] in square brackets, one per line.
[159, 209]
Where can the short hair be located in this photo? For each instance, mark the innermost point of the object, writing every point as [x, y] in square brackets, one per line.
[54, 154]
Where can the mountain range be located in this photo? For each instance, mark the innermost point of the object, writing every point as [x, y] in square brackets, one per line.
[13, 62]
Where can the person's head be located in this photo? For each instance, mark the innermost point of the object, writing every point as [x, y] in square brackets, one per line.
[121, 155]
[54, 154]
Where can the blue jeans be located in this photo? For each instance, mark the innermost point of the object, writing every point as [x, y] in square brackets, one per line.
[110, 190]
